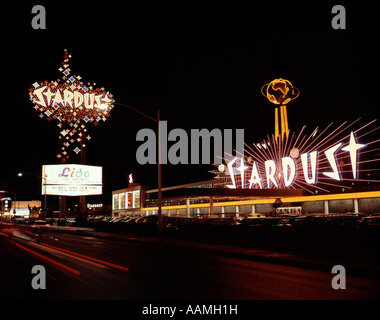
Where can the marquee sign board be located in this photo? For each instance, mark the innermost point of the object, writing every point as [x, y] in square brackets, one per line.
[68, 190]
[72, 180]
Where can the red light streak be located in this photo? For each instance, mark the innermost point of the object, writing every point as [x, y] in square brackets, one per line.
[56, 263]
[109, 264]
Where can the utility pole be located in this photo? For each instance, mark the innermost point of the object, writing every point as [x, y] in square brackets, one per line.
[159, 178]
[82, 199]
[159, 181]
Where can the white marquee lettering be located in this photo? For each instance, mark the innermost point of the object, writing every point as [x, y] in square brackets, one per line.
[78, 99]
[57, 98]
[97, 100]
[74, 99]
[86, 102]
[68, 96]
[48, 96]
[270, 170]
[255, 177]
[231, 172]
[330, 155]
[242, 168]
[38, 93]
[313, 164]
[283, 173]
[288, 163]
[353, 148]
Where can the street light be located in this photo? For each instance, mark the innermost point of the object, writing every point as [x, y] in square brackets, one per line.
[20, 174]
[158, 164]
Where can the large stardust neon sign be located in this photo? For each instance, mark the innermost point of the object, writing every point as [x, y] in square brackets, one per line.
[71, 100]
[308, 162]
[74, 104]
[60, 99]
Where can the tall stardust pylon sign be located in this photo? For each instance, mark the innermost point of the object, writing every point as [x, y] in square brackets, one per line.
[74, 104]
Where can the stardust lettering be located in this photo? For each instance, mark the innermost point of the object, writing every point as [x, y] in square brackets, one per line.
[69, 98]
[283, 173]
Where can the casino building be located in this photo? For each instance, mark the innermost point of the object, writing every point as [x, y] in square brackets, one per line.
[331, 170]
[208, 199]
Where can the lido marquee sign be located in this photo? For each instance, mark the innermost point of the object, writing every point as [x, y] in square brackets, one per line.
[72, 180]
[302, 164]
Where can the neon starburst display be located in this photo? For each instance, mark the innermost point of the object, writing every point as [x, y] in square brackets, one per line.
[74, 104]
[314, 162]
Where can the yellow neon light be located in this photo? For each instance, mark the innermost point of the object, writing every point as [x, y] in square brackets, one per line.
[285, 120]
[282, 122]
[276, 133]
[280, 92]
[243, 202]
[339, 196]
[165, 208]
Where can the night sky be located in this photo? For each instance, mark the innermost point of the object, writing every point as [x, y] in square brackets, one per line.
[202, 65]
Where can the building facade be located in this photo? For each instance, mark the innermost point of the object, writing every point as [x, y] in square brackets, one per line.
[206, 199]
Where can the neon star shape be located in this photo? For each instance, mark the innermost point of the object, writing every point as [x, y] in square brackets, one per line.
[353, 148]
[242, 168]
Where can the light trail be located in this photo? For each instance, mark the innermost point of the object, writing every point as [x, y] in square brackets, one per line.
[56, 263]
[106, 263]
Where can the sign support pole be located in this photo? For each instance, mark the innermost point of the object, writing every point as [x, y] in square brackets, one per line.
[82, 199]
[159, 182]
[62, 199]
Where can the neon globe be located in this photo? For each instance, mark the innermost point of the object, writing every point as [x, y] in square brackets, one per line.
[280, 91]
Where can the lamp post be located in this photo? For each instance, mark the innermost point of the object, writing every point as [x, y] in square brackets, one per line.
[20, 174]
[159, 178]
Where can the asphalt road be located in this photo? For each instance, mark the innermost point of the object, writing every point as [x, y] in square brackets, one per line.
[87, 267]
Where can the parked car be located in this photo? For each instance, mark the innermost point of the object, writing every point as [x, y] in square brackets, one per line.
[370, 222]
[290, 222]
[260, 222]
